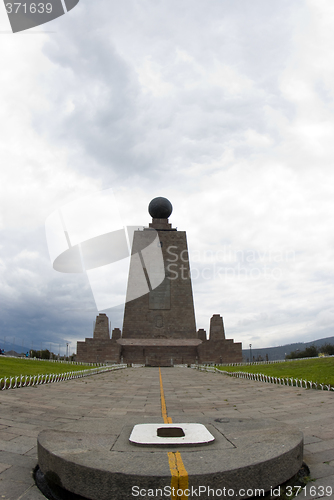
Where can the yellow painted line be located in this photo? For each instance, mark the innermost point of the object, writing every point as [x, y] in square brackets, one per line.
[178, 471]
[174, 484]
[163, 402]
[183, 474]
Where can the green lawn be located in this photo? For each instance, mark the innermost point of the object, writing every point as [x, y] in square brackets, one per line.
[11, 367]
[320, 370]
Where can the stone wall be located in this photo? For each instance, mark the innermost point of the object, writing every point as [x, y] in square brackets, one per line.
[98, 351]
[217, 331]
[220, 351]
[162, 352]
[101, 330]
[159, 356]
[217, 349]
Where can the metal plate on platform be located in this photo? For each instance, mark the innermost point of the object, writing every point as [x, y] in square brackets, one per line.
[170, 434]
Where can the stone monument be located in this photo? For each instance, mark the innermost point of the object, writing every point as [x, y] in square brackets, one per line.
[105, 460]
[159, 327]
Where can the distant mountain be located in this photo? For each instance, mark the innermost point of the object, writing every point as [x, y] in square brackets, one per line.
[14, 353]
[10, 346]
[279, 352]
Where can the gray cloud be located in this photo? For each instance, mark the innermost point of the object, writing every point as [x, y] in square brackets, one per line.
[223, 107]
[140, 87]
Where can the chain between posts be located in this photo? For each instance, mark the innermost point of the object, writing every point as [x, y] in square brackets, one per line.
[31, 380]
[260, 377]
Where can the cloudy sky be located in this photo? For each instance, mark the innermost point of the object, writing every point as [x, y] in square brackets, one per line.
[226, 108]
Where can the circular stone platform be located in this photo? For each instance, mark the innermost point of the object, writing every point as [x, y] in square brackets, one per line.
[246, 454]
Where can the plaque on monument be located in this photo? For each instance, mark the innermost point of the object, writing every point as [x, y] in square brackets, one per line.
[159, 298]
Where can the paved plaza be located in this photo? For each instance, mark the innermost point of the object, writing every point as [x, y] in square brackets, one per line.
[135, 392]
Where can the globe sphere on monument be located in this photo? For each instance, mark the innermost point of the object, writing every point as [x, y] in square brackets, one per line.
[160, 208]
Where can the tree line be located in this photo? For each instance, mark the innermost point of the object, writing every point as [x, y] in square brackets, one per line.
[46, 354]
[312, 352]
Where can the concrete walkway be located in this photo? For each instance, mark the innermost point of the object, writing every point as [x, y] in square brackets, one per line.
[136, 391]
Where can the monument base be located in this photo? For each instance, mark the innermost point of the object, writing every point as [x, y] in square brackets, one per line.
[246, 456]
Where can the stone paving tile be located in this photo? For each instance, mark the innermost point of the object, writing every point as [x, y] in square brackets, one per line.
[13, 423]
[311, 439]
[319, 457]
[32, 493]
[13, 490]
[320, 446]
[6, 436]
[321, 488]
[142, 410]
[20, 444]
[32, 453]
[16, 473]
[23, 415]
[18, 431]
[5, 422]
[325, 433]
[3, 467]
[11, 458]
[322, 470]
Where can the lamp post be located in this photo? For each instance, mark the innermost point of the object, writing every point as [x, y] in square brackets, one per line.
[250, 353]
